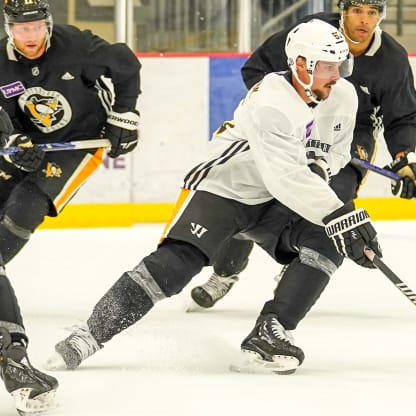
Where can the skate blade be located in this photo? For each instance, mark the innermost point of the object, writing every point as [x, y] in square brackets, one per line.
[194, 307]
[55, 363]
[36, 406]
[252, 363]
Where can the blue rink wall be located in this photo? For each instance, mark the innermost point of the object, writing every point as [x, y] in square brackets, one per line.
[226, 89]
[184, 99]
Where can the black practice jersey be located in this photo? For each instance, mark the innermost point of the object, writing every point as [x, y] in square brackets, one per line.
[383, 80]
[61, 96]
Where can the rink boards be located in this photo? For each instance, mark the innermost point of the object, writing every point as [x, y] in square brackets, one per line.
[184, 99]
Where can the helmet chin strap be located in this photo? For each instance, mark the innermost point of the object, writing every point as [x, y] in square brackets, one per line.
[307, 87]
[47, 43]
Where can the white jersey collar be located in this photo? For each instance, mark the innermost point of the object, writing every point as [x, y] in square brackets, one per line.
[376, 43]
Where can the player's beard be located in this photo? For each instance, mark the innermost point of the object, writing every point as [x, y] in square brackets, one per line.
[322, 94]
[33, 53]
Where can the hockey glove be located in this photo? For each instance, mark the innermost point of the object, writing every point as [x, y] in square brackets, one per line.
[122, 129]
[404, 165]
[321, 168]
[351, 231]
[31, 156]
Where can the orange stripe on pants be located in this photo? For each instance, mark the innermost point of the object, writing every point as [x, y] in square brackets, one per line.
[180, 202]
[92, 165]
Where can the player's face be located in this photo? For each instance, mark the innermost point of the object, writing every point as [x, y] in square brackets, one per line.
[29, 38]
[325, 75]
[360, 22]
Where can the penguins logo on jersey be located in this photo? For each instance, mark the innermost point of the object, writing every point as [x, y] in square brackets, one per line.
[362, 152]
[52, 170]
[48, 110]
[4, 175]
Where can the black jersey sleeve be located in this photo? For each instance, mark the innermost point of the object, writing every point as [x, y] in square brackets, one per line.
[117, 62]
[269, 57]
[398, 105]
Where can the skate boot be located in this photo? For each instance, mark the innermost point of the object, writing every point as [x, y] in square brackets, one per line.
[269, 349]
[32, 390]
[73, 350]
[208, 294]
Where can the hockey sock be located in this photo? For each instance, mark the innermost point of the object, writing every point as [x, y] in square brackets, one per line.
[17, 224]
[10, 242]
[233, 257]
[174, 264]
[123, 305]
[299, 288]
[10, 315]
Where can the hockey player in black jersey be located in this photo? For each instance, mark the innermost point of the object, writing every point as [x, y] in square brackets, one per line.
[51, 84]
[384, 82]
[53, 90]
[258, 184]
[32, 390]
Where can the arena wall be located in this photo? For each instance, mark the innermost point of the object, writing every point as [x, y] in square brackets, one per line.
[184, 99]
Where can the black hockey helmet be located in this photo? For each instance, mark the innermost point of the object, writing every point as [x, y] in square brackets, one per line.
[379, 4]
[22, 11]
[26, 10]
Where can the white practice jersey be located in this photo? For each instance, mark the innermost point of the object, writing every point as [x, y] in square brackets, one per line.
[264, 152]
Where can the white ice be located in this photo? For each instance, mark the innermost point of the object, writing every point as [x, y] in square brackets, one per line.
[359, 339]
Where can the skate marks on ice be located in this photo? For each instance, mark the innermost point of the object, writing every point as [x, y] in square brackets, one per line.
[359, 339]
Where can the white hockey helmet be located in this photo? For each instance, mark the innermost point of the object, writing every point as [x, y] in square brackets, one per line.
[316, 41]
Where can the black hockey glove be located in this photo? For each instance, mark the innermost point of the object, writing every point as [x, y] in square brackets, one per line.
[31, 156]
[351, 231]
[404, 165]
[321, 168]
[122, 129]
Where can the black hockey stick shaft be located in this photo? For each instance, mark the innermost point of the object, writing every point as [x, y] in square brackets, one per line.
[377, 169]
[391, 275]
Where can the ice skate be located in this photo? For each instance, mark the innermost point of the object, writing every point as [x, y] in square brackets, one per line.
[208, 294]
[73, 350]
[269, 349]
[33, 391]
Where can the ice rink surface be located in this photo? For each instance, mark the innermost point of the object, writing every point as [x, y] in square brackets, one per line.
[359, 339]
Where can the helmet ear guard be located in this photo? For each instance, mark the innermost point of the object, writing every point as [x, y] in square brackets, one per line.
[345, 69]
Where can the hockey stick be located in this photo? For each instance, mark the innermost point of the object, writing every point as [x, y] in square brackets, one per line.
[391, 275]
[361, 163]
[55, 147]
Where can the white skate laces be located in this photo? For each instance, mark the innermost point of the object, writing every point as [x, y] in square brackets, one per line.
[278, 331]
[269, 349]
[218, 286]
[73, 350]
[82, 341]
[206, 295]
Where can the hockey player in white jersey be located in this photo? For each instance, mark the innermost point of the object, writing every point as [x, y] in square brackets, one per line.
[388, 106]
[267, 180]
